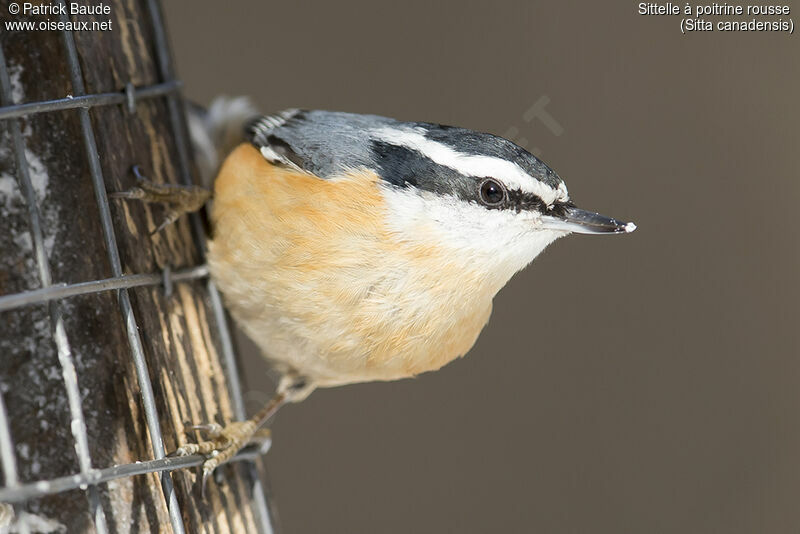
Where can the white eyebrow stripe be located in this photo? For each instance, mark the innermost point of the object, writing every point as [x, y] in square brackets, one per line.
[509, 173]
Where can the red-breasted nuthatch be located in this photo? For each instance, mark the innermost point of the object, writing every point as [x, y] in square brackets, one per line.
[353, 248]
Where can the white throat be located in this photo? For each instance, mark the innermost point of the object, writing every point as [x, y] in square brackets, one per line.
[498, 243]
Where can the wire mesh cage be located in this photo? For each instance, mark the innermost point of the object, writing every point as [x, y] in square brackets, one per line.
[110, 337]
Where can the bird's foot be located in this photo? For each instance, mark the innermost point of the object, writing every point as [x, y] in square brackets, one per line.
[180, 199]
[224, 442]
[221, 444]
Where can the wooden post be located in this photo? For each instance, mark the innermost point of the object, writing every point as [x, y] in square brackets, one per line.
[178, 332]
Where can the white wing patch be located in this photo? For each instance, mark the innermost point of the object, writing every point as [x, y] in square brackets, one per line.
[277, 159]
[261, 131]
[511, 174]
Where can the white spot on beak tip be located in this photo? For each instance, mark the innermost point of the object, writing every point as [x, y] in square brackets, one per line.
[630, 227]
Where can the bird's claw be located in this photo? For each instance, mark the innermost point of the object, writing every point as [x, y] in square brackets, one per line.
[181, 199]
[222, 444]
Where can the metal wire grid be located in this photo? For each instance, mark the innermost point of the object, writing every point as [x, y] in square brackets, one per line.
[89, 477]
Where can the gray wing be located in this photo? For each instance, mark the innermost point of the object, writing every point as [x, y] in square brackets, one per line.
[324, 143]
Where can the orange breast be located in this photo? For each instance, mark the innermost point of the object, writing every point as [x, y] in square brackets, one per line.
[310, 270]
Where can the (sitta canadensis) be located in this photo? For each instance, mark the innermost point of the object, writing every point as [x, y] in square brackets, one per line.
[353, 248]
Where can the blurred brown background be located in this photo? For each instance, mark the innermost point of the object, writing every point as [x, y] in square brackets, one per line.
[646, 383]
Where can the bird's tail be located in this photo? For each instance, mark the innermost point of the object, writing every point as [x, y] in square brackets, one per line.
[216, 131]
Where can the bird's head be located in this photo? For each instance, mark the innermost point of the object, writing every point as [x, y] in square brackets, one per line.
[488, 200]
[485, 202]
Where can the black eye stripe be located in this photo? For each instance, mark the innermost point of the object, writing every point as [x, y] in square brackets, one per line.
[514, 199]
[403, 167]
[519, 201]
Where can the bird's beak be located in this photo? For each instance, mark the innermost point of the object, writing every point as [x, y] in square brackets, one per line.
[572, 219]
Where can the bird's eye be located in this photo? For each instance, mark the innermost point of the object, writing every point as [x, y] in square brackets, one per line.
[492, 192]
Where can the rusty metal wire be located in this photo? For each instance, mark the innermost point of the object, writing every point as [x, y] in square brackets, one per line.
[88, 476]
